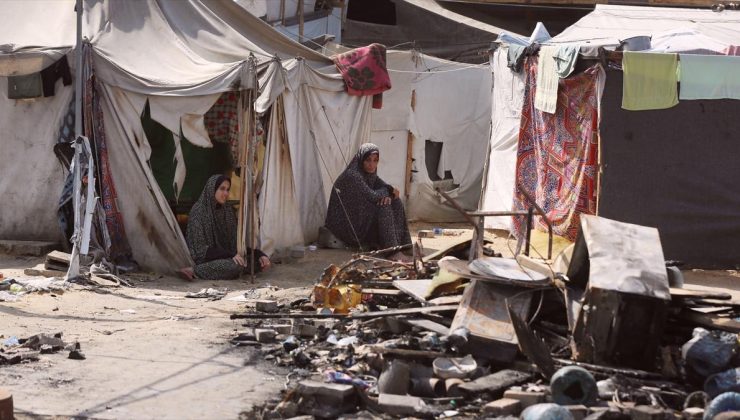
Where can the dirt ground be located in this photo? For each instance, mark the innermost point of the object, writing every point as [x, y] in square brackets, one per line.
[151, 353]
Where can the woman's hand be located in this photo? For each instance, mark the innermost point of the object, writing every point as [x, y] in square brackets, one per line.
[385, 201]
[238, 260]
[265, 263]
[396, 193]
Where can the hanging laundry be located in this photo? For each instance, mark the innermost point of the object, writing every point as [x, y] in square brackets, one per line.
[546, 97]
[565, 59]
[557, 153]
[515, 57]
[50, 75]
[364, 72]
[732, 50]
[222, 123]
[650, 81]
[710, 77]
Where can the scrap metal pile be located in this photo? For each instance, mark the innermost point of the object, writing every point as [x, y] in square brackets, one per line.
[604, 331]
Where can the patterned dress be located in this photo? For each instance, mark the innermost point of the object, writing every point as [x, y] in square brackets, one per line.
[354, 215]
[211, 236]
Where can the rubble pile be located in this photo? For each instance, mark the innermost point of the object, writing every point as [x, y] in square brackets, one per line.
[585, 336]
[14, 350]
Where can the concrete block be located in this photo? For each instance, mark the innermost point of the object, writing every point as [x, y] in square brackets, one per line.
[264, 335]
[693, 413]
[495, 383]
[303, 330]
[502, 407]
[326, 391]
[646, 412]
[265, 305]
[401, 405]
[526, 398]
[579, 412]
[282, 329]
[35, 248]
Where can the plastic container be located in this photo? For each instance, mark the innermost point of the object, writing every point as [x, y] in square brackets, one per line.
[729, 401]
[547, 411]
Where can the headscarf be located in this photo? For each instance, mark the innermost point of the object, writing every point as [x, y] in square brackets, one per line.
[366, 149]
[211, 224]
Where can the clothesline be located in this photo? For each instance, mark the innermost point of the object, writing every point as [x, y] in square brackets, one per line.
[474, 66]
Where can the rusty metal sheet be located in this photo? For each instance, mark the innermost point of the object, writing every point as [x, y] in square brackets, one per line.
[535, 349]
[462, 269]
[484, 313]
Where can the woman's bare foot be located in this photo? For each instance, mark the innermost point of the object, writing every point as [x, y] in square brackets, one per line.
[186, 273]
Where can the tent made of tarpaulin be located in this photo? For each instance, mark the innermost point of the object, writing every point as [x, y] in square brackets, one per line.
[700, 31]
[179, 57]
[434, 104]
[429, 27]
[659, 167]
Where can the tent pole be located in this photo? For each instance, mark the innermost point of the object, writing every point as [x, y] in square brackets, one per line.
[409, 154]
[300, 20]
[74, 261]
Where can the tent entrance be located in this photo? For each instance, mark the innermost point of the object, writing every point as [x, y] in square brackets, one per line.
[199, 163]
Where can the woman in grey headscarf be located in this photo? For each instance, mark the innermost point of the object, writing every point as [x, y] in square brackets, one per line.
[364, 211]
[211, 236]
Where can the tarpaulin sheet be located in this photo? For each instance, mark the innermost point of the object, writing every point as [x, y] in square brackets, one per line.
[676, 170]
[506, 112]
[625, 258]
[557, 155]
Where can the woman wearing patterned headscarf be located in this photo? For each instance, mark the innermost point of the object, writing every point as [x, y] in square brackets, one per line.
[364, 211]
[211, 236]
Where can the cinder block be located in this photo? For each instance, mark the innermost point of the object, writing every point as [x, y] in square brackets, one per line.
[401, 405]
[265, 335]
[502, 407]
[525, 398]
[266, 305]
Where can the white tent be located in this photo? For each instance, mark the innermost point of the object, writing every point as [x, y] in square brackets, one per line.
[178, 56]
[671, 29]
[451, 106]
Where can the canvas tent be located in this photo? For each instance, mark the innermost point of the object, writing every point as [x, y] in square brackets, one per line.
[660, 168]
[179, 57]
[438, 115]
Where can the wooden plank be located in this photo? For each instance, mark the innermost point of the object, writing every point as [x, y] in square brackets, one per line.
[361, 315]
[407, 353]
[427, 325]
[710, 321]
[384, 292]
[58, 256]
[43, 272]
[677, 293]
[417, 289]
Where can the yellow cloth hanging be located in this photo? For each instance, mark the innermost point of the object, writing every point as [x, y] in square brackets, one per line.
[650, 81]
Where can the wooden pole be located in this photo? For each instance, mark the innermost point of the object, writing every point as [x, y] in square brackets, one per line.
[300, 20]
[282, 12]
[409, 153]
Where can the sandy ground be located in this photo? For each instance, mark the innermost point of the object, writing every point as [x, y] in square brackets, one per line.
[154, 354]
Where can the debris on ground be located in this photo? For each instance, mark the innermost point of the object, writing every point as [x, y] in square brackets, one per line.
[14, 350]
[605, 336]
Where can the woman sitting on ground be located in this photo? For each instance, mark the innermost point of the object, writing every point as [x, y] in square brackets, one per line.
[364, 211]
[211, 236]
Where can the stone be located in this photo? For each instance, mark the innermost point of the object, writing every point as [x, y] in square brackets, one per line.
[324, 399]
[693, 413]
[265, 305]
[264, 335]
[401, 405]
[526, 398]
[502, 407]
